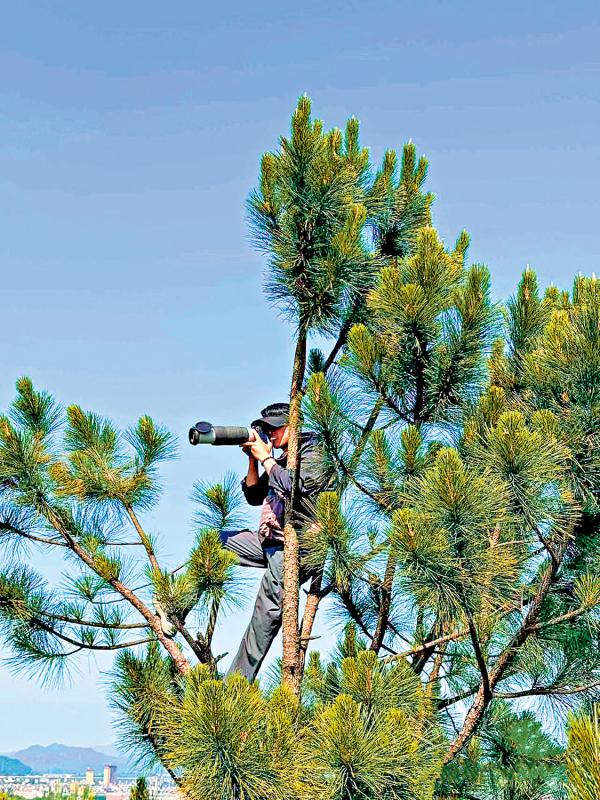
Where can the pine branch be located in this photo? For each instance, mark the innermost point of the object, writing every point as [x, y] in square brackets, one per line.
[356, 617]
[546, 544]
[93, 624]
[445, 702]
[192, 643]
[385, 600]
[349, 474]
[153, 620]
[31, 537]
[389, 401]
[450, 637]
[85, 645]
[435, 672]
[108, 543]
[212, 622]
[144, 540]
[487, 691]
[505, 659]
[557, 620]
[396, 632]
[342, 337]
[548, 690]
[421, 366]
[365, 434]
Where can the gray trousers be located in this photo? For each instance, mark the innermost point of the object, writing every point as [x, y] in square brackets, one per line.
[266, 616]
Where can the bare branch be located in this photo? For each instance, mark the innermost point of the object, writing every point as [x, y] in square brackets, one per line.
[450, 637]
[548, 690]
[93, 624]
[479, 658]
[557, 620]
[450, 701]
[84, 645]
[31, 537]
[347, 600]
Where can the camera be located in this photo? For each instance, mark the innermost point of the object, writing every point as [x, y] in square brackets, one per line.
[207, 433]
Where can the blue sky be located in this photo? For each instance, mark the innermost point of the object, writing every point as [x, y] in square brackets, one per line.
[130, 135]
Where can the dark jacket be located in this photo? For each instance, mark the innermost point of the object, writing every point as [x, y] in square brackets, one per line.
[274, 490]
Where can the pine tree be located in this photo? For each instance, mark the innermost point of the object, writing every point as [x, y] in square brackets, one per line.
[139, 790]
[457, 543]
[308, 215]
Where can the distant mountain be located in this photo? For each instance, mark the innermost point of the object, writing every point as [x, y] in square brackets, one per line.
[60, 758]
[109, 749]
[12, 766]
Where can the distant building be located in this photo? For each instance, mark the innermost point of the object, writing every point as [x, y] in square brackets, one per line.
[89, 777]
[110, 775]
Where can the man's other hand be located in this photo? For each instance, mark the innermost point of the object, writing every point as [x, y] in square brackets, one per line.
[256, 448]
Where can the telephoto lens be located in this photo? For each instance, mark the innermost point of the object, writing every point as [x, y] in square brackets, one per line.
[207, 433]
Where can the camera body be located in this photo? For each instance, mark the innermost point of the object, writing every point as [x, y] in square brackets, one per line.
[207, 433]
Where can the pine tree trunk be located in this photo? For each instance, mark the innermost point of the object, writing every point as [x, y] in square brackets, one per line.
[291, 548]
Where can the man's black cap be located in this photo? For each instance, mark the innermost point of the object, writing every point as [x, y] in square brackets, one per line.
[274, 416]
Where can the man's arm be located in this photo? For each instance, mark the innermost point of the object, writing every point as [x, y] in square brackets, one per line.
[252, 476]
[255, 486]
[280, 478]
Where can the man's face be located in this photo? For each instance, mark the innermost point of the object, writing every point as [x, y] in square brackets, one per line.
[279, 436]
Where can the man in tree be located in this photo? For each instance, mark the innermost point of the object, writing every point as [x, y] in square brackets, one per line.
[264, 548]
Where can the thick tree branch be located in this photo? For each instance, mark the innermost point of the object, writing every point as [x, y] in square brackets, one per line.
[315, 595]
[194, 646]
[54, 518]
[144, 539]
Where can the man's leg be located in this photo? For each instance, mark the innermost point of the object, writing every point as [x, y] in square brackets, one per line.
[246, 545]
[266, 618]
